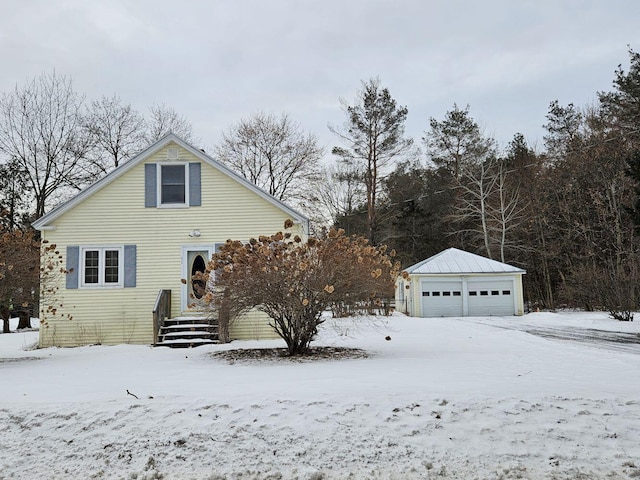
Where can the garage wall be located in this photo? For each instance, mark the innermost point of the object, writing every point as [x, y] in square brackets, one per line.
[465, 295]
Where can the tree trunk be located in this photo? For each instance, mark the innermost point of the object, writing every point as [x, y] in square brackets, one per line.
[4, 312]
[223, 326]
[25, 319]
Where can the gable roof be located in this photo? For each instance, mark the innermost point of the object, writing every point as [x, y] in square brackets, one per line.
[61, 209]
[453, 260]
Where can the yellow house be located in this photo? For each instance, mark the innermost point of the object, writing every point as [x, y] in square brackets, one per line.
[131, 242]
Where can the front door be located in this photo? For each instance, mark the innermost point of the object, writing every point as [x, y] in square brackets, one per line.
[194, 260]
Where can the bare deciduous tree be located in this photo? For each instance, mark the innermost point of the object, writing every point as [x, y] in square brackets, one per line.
[339, 192]
[117, 133]
[457, 147]
[162, 120]
[41, 130]
[489, 204]
[274, 153]
[477, 183]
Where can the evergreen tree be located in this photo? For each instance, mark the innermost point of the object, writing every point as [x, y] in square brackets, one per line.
[456, 142]
[418, 203]
[622, 106]
[373, 139]
[14, 197]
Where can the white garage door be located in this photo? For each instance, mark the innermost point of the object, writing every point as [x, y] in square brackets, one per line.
[491, 297]
[442, 299]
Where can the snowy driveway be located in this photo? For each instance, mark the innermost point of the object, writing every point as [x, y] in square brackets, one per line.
[617, 336]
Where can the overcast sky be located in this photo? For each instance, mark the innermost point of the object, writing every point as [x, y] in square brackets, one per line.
[218, 61]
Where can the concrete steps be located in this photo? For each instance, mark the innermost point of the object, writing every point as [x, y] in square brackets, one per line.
[187, 332]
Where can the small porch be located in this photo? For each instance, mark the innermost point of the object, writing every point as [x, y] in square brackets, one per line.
[185, 331]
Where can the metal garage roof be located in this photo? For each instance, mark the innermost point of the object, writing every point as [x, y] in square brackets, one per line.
[453, 260]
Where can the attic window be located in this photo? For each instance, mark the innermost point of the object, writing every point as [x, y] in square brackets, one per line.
[173, 185]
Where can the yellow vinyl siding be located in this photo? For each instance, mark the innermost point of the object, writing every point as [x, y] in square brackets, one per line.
[252, 326]
[115, 216]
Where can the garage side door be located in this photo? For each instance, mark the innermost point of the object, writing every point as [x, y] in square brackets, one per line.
[442, 299]
[491, 297]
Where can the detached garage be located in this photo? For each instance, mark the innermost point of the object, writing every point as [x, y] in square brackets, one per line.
[455, 283]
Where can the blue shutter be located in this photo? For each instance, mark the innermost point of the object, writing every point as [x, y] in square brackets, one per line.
[195, 197]
[73, 262]
[150, 185]
[130, 266]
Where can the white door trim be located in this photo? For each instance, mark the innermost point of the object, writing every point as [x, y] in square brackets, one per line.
[184, 286]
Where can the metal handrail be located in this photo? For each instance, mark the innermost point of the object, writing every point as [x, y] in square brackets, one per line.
[161, 310]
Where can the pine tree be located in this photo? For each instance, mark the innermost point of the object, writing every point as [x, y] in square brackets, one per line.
[373, 138]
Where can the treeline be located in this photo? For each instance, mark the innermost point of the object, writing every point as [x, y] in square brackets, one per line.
[53, 143]
[568, 214]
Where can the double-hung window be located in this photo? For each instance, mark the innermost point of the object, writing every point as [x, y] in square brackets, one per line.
[101, 267]
[173, 185]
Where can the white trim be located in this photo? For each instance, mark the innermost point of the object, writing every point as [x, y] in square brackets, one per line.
[159, 167]
[101, 249]
[184, 269]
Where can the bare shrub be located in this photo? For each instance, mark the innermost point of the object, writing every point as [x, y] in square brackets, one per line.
[294, 281]
[598, 288]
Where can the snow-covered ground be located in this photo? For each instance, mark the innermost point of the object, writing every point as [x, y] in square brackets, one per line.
[472, 398]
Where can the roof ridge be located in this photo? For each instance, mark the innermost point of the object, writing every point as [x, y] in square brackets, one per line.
[454, 260]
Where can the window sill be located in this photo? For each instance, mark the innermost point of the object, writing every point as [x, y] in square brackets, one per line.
[173, 205]
[101, 287]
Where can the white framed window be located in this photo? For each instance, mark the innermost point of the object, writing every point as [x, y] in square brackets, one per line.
[173, 185]
[101, 266]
